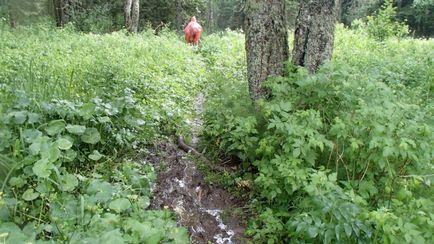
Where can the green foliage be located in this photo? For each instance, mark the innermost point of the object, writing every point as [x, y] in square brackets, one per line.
[74, 110]
[96, 17]
[341, 156]
[383, 25]
[43, 62]
[62, 161]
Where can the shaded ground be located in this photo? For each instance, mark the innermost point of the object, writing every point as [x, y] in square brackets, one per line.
[199, 207]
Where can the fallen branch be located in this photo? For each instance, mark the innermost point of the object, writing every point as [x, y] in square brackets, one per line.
[190, 149]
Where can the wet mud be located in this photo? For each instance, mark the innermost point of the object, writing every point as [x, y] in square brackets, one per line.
[205, 210]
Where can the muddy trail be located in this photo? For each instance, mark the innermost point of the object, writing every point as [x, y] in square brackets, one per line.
[204, 209]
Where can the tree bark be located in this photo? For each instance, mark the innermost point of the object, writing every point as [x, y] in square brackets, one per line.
[210, 16]
[266, 43]
[314, 33]
[179, 16]
[132, 13]
[59, 13]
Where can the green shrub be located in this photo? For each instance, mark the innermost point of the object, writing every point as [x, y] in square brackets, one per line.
[341, 156]
[383, 25]
[67, 176]
[74, 109]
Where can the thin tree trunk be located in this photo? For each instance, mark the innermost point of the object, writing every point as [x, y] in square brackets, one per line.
[314, 33]
[210, 16]
[12, 19]
[59, 13]
[12, 12]
[135, 16]
[266, 43]
[179, 23]
[132, 13]
[127, 13]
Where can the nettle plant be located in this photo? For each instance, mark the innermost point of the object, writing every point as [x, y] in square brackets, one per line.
[66, 174]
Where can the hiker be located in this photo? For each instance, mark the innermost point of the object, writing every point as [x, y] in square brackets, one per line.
[192, 31]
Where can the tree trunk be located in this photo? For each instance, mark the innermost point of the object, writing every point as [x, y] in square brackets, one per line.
[179, 17]
[132, 12]
[266, 43]
[59, 14]
[314, 33]
[210, 16]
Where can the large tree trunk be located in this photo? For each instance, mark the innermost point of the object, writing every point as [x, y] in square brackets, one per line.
[132, 12]
[314, 33]
[266, 43]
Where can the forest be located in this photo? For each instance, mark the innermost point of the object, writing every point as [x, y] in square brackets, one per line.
[285, 121]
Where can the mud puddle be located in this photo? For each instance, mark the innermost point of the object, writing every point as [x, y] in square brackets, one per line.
[205, 210]
[198, 206]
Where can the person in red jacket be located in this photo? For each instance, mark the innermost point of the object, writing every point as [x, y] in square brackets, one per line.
[193, 31]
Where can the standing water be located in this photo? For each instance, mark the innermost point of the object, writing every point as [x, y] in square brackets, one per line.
[199, 207]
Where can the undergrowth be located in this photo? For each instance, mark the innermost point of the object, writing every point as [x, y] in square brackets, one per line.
[76, 112]
[344, 155]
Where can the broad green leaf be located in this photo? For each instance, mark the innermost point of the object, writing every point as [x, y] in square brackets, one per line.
[178, 235]
[86, 111]
[312, 231]
[64, 144]
[34, 118]
[101, 190]
[95, 156]
[68, 182]
[91, 136]
[55, 127]
[30, 195]
[155, 237]
[112, 237]
[40, 143]
[13, 234]
[76, 129]
[70, 155]
[42, 168]
[144, 201]
[19, 117]
[52, 152]
[30, 135]
[120, 205]
[17, 182]
[44, 186]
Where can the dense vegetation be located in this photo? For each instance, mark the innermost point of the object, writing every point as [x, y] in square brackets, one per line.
[345, 155]
[76, 111]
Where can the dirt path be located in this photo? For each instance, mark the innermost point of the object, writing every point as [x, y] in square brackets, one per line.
[199, 207]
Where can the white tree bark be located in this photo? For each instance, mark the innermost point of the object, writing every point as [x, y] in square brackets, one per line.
[132, 13]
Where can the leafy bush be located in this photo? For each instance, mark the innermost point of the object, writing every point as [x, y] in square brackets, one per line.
[383, 25]
[43, 62]
[58, 187]
[75, 111]
[341, 156]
